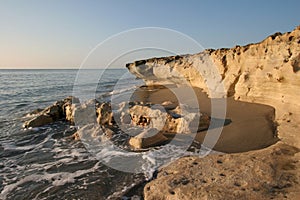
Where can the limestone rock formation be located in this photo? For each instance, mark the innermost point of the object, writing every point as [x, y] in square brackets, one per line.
[148, 138]
[104, 114]
[262, 174]
[156, 119]
[147, 118]
[266, 72]
[59, 110]
[171, 121]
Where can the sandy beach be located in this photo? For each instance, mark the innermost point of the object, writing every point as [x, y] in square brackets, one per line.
[248, 126]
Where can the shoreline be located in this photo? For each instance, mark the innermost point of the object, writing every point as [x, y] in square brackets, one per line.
[252, 125]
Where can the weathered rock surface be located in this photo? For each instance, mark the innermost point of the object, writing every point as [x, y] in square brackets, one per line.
[104, 114]
[148, 138]
[173, 121]
[147, 118]
[262, 174]
[158, 123]
[266, 72]
[59, 110]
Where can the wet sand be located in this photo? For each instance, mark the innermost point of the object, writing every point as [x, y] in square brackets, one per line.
[248, 126]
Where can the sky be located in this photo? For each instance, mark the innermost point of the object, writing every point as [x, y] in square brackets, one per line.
[62, 33]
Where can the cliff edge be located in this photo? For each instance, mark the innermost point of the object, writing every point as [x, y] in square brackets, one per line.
[267, 72]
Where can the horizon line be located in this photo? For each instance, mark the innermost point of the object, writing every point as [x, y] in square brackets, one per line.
[58, 68]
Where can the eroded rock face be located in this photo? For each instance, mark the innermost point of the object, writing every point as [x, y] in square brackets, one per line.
[104, 114]
[228, 176]
[266, 72]
[148, 138]
[163, 122]
[59, 110]
[170, 121]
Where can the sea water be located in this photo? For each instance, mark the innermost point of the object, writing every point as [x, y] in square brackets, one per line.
[43, 163]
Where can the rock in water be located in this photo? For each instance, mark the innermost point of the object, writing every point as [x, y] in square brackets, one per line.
[157, 123]
[85, 114]
[148, 138]
[104, 114]
[59, 110]
[178, 120]
[39, 120]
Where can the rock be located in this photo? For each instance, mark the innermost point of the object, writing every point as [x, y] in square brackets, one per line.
[68, 110]
[169, 105]
[145, 116]
[265, 72]
[39, 120]
[228, 176]
[55, 111]
[85, 114]
[35, 112]
[158, 126]
[175, 121]
[104, 114]
[148, 138]
[93, 134]
[59, 110]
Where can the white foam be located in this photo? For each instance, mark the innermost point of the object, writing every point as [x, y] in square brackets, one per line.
[57, 179]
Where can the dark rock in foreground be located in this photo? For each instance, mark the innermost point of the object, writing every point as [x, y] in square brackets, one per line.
[59, 110]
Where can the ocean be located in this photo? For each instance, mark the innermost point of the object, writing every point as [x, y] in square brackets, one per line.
[44, 163]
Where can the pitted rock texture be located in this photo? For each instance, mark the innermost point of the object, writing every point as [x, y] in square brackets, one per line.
[59, 110]
[159, 124]
[267, 72]
[263, 174]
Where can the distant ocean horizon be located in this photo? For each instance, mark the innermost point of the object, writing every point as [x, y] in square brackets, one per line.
[92, 68]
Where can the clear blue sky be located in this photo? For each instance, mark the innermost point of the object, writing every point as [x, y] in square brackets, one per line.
[60, 33]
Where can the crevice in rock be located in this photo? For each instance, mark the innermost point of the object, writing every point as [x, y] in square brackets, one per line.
[296, 64]
[224, 63]
[231, 89]
[275, 35]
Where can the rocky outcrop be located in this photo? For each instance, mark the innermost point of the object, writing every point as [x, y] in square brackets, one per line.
[152, 123]
[173, 121]
[59, 110]
[266, 72]
[158, 124]
[263, 174]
